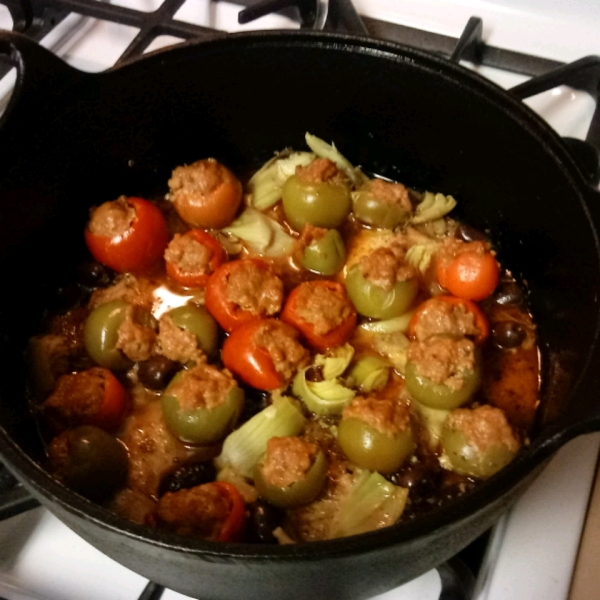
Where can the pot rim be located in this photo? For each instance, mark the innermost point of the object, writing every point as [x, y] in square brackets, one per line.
[43, 486]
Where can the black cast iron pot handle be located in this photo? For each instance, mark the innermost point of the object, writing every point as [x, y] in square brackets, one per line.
[583, 415]
[40, 75]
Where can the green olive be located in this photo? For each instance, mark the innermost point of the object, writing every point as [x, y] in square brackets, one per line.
[201, 425]
[439, 395]
[90, 461]
[102, 333]
[197, 321]
[327, 255]
[322, 204]
[372, 449]
[375, 212]
[467, 459]
[298, 493]
[371, 300]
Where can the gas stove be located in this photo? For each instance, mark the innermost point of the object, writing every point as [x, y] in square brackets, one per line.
[531, 552]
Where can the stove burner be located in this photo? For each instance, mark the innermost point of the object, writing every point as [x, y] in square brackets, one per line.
[14, 498]
[37, 18]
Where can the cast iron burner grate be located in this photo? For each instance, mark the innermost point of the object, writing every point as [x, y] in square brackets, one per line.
[37, 18]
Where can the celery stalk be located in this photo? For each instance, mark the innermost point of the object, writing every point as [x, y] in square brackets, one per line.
[244, 447]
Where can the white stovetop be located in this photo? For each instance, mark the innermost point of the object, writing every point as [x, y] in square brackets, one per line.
[534, 547]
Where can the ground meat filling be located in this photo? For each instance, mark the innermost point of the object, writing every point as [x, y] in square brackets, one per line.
[281, 342]
[385, 268]
[77, 397]
[193, 182]
[135, 340]
[452, 247]
[177, 344]
[444, 360]
[288, 460]
[203, 386]
[388, 415]
[443, 318]
[320, 170]
[189, 255]
[112, 219]
[200, 511]
[138, 291]
[390, 193]
[255, 289]
[325, 308]
[484, 427]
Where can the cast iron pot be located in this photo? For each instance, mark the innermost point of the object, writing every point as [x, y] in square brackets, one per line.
[70, 140]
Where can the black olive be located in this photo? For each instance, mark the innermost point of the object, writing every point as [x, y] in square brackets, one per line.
[314, 374]
[508, 292]
[264, 518]
[470, 234]
[156, 372]
[94, 274]
[90, 461]
[254, 402]
[508, 334]
[407, 477]
[416, 477]
[187, 476]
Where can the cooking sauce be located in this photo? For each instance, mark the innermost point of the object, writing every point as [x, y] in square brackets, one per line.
[320, 350]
